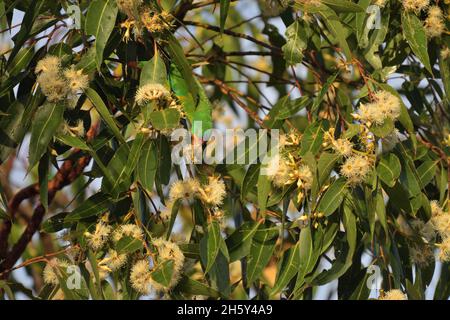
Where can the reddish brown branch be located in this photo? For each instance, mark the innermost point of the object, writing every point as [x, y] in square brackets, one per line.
[67, 173]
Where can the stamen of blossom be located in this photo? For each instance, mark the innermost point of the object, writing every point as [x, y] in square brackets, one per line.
[101, 234]
[168, 250]
[356, 168]
[76, 79]
[51, 268]
[214, 192]
[127, 230]
[415, 5]
[394, 294]
[184, 189]
[151, 92]
[434, 23]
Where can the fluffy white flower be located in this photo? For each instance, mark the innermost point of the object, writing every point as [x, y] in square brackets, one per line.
[214, 192]
[101, 234]
[356, 168]
[394, 294]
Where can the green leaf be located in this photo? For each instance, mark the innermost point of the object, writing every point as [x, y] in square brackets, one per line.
[240, 241]
[287, 268]
[307, 256]
[312, 138]
[384, 129]
[224, 6]
[147, 165]
[73, 141]
[31, 13]
[193, 287]
[344, 261]
[163, 273]
[333, 197]
[336, 28]
[343, 6]
[264, 187]
[128, 245]
[414, 33]
[45, 124]
[200, 112]
[250, 180]
[296, 43]
[173, 215]
[12, 129]
[43, 170]
[210, 245]
[120, 171]
[56, 223]
[104, 113]
[93, 206]
[154, 71]
[318, 100]
[263, 245]
[389, 169]
[285, 108]
[176, 52]
[165, 119]
[426, 172]
[100, 21]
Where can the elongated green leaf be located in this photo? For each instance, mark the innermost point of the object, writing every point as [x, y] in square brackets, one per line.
[250, 180]
[389, 169]
[343, 6]
[177, 54]
[100, 21]
[296, 42]
[263, 244]
[73, 141]
[45, 124]
[210, 245]
[12, 129]
[312, 139]
[426, 172]
[264, 187]
[240, 241]
[165, 119]
[414, 33]
[147, 165]
[332, 198]
[224, 6]
[336, 28]
[344, 261]
[118, 169]
[43, 170]
[163, 273]
[193, 287]
[154, 71]
[287, 268]
[95, 205]
[104, 113]
[128, 245]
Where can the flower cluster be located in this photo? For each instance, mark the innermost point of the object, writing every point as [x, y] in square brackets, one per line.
[58, 84]
[415, 5]
[141, 273]
[434, 23]
[394, 294]
[52, 270]
[440, 220]
[356, 168]
[212, 193]
[143, 17]
[385, 106]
